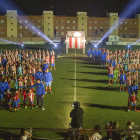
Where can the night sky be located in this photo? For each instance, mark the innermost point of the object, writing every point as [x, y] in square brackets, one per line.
[96, 8]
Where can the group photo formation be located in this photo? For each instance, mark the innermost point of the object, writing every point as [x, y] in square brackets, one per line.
[69, 70]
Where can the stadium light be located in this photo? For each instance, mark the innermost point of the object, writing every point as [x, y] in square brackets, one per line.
[128, 46]
[3, 40]
[22, 45]
[95, 45]
[130, 8]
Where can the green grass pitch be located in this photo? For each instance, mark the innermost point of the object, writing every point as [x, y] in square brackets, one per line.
[102, 103]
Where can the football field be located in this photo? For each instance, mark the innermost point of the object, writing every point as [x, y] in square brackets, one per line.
[80, 79]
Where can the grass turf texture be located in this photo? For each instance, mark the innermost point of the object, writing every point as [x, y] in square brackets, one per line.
[101, 103]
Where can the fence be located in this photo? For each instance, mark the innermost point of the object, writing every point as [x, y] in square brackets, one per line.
[76, 133]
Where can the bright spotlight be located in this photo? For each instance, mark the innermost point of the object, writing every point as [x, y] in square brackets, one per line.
[55, 45]
[22, 45]
[128, 46]
[95, 45]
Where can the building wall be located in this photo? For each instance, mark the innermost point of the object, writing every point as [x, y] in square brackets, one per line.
[64, 24]
[97, 27]
[48, 24]
[82, 23]
[11, 25]
[3, 26]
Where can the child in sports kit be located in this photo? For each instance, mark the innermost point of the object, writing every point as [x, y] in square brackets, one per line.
[24, 98]
[7, 70]
[18, 101]
[9, 97]
[122, 80]
[14, 70]
[53, 62]
[137, 75]
[115, 75]
[15, 103]
[31, 99]
[107, 60]
[20, 69]
[33, 71]
[1, 70]
[133, 99]
[110, 73]
[31, 82]
[26, 81]
[9, 82]
[24, 70]
[29, 70]
[128, 82]
[20, 84]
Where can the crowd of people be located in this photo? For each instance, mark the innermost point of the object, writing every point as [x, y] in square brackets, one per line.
[123, 68]
[27, 69]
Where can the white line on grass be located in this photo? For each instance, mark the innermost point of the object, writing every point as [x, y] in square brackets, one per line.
[75, 79]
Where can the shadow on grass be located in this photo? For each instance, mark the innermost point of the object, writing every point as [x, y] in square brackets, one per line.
[101, 88]
[94, 67]
[78, 58]
[88, 80]
[105, 106]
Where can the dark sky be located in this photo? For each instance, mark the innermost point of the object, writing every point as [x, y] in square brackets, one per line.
[65, 7]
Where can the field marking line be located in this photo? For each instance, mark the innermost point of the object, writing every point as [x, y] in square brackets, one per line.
[75, 79]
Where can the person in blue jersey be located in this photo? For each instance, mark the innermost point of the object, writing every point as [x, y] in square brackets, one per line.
[45, 66]
[132, 88]
[122, 80]
[47, 80]
[93, 54]
[40, 92]
[88, 53]
[100, 54]
[96, 55]
[103, 56]
[112, 61]
[39, 74]
[3, 90]
[4, 62]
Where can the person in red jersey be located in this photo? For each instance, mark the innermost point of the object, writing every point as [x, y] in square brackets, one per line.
[31, 99]
[53, 62]
[15, 103]
[24, 98]
[110, 73]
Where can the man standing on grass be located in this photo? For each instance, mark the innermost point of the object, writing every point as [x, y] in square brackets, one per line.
[40, 92]
[47, 80]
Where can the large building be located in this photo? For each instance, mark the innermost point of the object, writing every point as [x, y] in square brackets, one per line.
[29, 28]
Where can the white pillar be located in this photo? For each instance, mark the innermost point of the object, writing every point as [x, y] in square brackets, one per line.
[66, 45]
[84, 41]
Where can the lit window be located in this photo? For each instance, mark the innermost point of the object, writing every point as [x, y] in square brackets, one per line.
[2, 27]
[95, 22]
[26, 27]
[33, 33]
[33, 20]
[20, 21]
[62, 27]
[2, 33]
[125, 23]
[56, 27]
[39, 21]
[56, 21]
[106, 28]
[39, 27]
[135, 23]
[95, 27]
[90, 28]
[90, 22]
[106, 22]
[56, 33]
[101, 22]
[130, 23]
[125, 28]
[26, 21]
[33, 27]
[20, 34]
[120, 28]
[68, 27]
[101, 29]
[120, 34]
[121, 23]
[2, 21]
[62, 33]
[73, 27]
[62, 21]
[73, 21]
[20, 27]
[68, 21]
